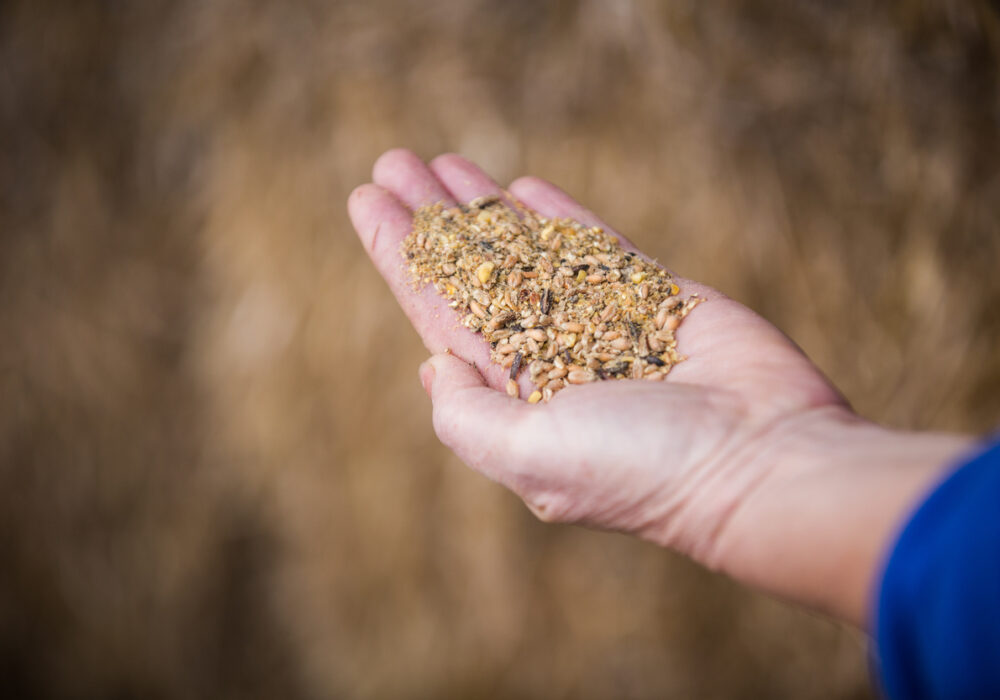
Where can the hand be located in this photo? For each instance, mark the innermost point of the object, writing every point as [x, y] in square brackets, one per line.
[699, 463]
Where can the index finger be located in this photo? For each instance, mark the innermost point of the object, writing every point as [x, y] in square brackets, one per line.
[382, 222]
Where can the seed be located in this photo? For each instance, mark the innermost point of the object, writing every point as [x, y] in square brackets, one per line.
[661, 317]
[500, 320]
[558, 372]
[595, 279]
[670, 303]
[535, 397]
[567, 339]
[580, 376]
[637, 277]
[672, 323]
[607, 313]
[512, 388]
[621, 344]
[572, 327]
[481, 296]
[506, 348]
[536, 334]
[515, 365]
[643, 345]
[545, 303]
[655, 344]
[547, 394]
[477, 309]
[612, 335]
[484, 272]
[655, 376]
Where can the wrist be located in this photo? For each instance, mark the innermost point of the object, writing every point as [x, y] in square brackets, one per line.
[837, 489]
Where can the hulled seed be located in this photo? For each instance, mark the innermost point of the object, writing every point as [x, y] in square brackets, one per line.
[484, 272]
[580, 376]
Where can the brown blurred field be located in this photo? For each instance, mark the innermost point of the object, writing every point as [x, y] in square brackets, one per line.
[217, 472]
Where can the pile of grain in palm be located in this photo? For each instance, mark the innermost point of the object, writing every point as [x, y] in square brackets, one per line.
[558, 299]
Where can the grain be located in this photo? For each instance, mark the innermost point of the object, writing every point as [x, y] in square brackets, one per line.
[554, 296]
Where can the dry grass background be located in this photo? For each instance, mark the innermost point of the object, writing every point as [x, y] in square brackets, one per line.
[217, 473]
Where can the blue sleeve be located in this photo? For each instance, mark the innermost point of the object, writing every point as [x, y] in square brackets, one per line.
[937, 619]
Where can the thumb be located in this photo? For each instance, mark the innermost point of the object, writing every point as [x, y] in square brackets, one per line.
[478, 423]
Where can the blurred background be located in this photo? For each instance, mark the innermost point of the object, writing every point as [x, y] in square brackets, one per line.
[218, 476]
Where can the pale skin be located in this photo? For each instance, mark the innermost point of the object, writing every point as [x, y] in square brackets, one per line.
[746, 458]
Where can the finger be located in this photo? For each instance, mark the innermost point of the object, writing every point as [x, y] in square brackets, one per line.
[464, 179]
[403, 173]
[382, 221]
[473, 420]
[696, 335]
[549, 200]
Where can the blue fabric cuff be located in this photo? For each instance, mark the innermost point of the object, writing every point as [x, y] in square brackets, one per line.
[937, 611]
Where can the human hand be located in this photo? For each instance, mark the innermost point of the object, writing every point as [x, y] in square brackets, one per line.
[676, 462]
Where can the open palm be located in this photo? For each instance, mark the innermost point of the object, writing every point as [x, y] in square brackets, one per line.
[669, 461]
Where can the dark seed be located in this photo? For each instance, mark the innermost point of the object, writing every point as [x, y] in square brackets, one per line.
[516, 367]
[634, 330]
[488, 201]
[577, 268]
[546, 301]
[654, 360]
[486, 245]
[516, 327]
[605, 268]
[617, 368]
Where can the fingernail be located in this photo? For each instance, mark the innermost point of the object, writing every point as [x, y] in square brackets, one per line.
[426, 373]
